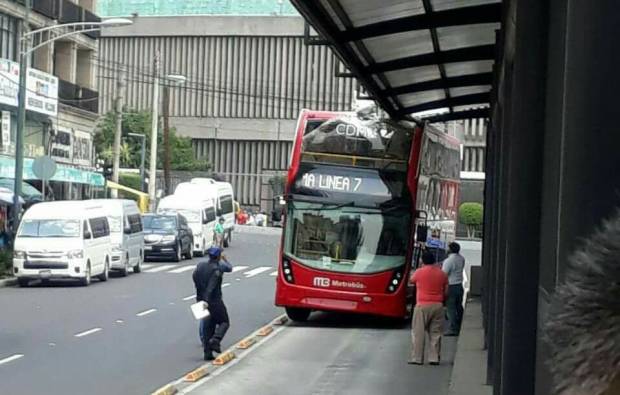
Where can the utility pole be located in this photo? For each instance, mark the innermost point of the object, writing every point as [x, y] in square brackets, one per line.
[120, 92]
[166, 114]
[154, 126]
[21, 116]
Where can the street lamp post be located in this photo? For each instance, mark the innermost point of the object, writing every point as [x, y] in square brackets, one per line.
[24, 51]
[175, 78]
[142, 156]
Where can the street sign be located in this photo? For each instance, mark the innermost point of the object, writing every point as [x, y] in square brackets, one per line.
[44, 167]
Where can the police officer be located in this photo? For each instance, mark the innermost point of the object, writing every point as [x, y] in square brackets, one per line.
[208, 281]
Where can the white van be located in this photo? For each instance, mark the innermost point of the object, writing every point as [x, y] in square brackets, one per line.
[223, 200]
[126, 234]
[63, 239]
[200, 216]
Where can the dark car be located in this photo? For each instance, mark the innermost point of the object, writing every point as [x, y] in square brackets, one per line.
[167, 236]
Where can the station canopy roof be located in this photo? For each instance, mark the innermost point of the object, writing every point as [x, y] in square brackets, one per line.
[414, 57]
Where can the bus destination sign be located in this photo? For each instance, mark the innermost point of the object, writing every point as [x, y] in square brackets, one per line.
[329, 182]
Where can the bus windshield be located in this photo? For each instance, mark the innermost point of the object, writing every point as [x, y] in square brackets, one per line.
[347, 239]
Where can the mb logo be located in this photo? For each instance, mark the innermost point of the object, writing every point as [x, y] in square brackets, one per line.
[321, 282]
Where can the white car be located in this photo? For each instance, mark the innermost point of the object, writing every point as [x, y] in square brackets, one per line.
[126, 233]
[62, 239]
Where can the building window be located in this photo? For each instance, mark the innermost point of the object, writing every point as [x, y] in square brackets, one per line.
[8, 27]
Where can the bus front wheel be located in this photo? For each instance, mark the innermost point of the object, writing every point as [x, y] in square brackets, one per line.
[297, 314]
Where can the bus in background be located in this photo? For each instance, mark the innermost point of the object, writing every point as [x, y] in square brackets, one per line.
[351, 212]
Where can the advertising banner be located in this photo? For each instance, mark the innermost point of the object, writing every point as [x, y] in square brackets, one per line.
[9, 82]
[6, 128]
[41, 92]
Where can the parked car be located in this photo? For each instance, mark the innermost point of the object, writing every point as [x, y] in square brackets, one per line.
[125, 232]
[167, 236]
[63, 239]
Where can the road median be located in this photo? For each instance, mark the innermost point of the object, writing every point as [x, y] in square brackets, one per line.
[190, 380]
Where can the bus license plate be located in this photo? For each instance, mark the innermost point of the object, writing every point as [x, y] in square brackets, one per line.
[45, 273]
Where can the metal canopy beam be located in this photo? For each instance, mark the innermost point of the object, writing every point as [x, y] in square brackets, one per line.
[449, 82]
[476, 98]
[322, 23]
[454, 116]
[487, 13]
[428, 8]
[480, 52]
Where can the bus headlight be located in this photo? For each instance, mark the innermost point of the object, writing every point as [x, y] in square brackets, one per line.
[19, 254]
[397, 277]
[287, 271]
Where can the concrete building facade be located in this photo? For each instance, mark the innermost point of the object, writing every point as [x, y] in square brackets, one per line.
[247, 79]
[68, 64]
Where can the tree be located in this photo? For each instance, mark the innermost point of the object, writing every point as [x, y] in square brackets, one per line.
[139, 122]
[470, 215]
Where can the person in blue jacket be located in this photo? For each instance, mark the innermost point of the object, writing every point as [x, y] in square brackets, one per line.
[208, 281]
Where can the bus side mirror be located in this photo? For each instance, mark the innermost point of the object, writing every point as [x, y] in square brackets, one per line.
[87, 235]
[421, 233]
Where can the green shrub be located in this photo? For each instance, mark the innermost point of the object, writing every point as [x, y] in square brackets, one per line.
[471, 215]
[6, 262]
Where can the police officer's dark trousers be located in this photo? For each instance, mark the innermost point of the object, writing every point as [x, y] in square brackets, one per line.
[216, 325]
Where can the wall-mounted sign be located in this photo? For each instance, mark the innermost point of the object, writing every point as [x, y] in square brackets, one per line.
[41, 92]
[81, 148]
[9, 82]
[64, 173]
[6, 128]
[61, 147]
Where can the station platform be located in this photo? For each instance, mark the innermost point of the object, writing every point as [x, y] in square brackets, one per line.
[335, 354]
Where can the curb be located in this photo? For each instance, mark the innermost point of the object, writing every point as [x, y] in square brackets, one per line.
[194, 377]
[263, 230]
[166, 390]
[8, 282]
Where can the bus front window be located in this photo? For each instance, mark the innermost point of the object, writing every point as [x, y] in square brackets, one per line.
[347, 239]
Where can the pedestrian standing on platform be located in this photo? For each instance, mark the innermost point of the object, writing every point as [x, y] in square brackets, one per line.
[208, 281]
[428, 315]
[453, 266]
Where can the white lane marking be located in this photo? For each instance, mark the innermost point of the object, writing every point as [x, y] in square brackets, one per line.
[190, 297]
[274, 273]
[145, 312]
[183, 269]
[147, 266]
[238, 268]
[159, 268]
[88, 332]
[256, 271]
[11, 358]
[119, 321]
[225, 285]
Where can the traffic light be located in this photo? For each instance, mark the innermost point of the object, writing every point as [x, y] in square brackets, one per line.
[107, 171]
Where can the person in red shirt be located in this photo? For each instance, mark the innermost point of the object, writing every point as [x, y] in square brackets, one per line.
[428, 316]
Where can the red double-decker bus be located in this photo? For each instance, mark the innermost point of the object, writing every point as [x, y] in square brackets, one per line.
[352, 209]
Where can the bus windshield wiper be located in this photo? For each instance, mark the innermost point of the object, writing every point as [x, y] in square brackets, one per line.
[329, 206]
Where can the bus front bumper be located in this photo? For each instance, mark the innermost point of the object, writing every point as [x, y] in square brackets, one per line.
[383, 304]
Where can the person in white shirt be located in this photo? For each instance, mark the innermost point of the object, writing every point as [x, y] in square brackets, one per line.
[453, 266]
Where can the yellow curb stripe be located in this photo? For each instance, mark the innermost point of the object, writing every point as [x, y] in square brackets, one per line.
[224, 358]
[166, 390]
[246, 343]
[264, 331]
[196, 374]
